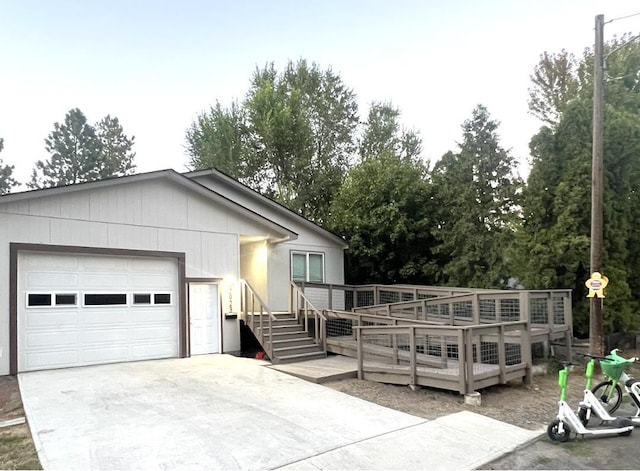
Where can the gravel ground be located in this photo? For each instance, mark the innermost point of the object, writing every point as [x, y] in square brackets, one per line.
[530, 407]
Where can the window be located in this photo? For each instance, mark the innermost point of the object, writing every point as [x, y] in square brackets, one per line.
[151, 299]
[141, 298]
[66, 300]
[34, 299]
[162, 298]
[108, 299]
[307, 267]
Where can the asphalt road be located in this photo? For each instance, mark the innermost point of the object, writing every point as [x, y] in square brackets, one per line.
[579, 453]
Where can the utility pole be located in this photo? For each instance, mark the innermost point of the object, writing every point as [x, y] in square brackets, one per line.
[596, 330]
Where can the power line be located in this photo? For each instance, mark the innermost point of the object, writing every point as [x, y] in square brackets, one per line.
[622, 17]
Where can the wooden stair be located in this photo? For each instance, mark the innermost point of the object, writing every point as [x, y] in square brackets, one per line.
[290, 342]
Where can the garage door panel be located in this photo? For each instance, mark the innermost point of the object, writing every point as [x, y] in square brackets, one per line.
[152, 315]
[37, 318]
[103, 265]
[51, 359]
[46, 280]
[52, 340]
[100, 280]
[153, 333]
[64, 335]
[105, 316]
[92, 356]
[159, 350]
[104, 336]
[59, 263]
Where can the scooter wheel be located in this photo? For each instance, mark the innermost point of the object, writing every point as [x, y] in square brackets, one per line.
[582, 415]
[555, 434]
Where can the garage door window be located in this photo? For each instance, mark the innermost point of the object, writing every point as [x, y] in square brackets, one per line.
[38, 299]
[51, 299]
[151, 299]
[66, 299]
[106, 299]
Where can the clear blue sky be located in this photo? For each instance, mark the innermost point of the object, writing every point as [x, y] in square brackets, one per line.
[157, 64]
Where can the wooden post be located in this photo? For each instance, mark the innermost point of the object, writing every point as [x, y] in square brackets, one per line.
[470, 360]
[525, 352]
[358, 333]
[596, 328]
[462, 360]
[475, 309]
[412, 351]
[501, 355]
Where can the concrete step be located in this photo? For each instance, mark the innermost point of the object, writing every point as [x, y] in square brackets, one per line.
[298, 357]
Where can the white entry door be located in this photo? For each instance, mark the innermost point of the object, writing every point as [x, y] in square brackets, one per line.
[204, 315]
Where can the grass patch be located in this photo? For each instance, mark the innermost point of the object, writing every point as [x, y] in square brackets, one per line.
[17, 450]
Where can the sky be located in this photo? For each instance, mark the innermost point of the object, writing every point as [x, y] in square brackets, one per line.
[155, 65]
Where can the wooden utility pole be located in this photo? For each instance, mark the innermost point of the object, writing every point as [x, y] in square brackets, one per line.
[596, 331]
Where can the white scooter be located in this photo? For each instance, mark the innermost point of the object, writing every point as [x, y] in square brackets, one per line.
[568, 422]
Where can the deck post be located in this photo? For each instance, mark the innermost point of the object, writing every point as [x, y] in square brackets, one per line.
[470, 360]
[462, 360]
[525, 351]
[412, 350]
[502, 355]
[358, 333]
[475, 309]
[394, 344]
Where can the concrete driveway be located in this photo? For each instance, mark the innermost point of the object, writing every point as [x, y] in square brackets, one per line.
[224, 412]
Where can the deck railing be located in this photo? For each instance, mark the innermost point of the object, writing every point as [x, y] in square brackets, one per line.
[544, 309]
[457, 358]
[257, 315]
[311, 318]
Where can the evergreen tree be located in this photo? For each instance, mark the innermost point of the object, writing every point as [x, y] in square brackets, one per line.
[477, 193]
[7, 182]
[81, 152]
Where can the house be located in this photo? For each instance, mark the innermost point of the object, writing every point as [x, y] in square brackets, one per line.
[144, 267]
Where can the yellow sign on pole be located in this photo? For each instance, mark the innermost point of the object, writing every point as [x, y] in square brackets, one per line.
[596, 284]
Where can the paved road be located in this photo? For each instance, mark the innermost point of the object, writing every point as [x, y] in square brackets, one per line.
[223, 412]
[588, 453]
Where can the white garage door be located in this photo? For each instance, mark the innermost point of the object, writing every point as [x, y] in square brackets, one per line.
[78, 310]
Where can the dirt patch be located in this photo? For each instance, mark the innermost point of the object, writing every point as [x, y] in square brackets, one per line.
[16, 445]
[530, 407]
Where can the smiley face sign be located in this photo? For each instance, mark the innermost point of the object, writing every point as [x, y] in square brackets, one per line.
[596, 284]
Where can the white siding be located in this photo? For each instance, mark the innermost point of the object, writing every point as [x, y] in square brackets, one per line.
[157, 215]
[309, 240]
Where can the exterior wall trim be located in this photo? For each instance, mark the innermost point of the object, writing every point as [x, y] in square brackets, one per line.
[16, 247]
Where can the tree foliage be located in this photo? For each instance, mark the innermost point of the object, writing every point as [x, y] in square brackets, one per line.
[292, 138]
[7, 182]
[477, 193]
[553, 249]
[384, 210]
[383, 135]
[81, 152]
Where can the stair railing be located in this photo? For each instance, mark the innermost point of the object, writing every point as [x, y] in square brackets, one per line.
[300, 305]
[252, 307]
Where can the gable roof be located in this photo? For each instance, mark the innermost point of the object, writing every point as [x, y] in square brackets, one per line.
[224, 179]
[279, 230]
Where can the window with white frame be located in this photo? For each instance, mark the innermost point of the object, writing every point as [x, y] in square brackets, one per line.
[307, 266]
